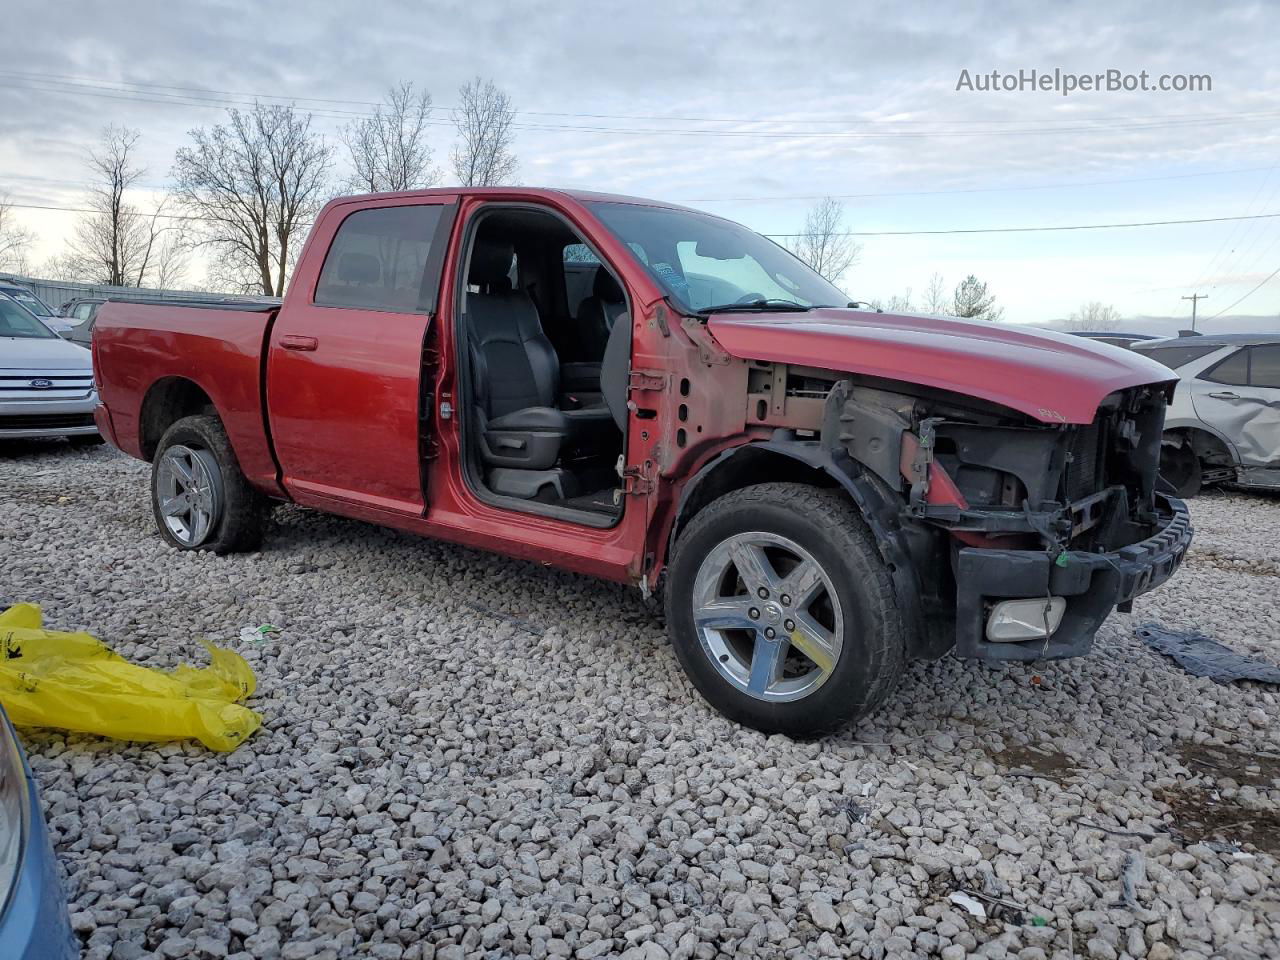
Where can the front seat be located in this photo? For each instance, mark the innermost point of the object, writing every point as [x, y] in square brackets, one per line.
[597, 313]
[514, 367]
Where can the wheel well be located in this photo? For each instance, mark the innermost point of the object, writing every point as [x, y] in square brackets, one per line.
[167, 402]
[1207, 447]
[745, 467]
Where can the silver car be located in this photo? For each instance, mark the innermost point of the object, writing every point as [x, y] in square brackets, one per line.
[46, 383]
[1224, 422]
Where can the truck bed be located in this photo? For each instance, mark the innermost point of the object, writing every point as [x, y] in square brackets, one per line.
[151, 356]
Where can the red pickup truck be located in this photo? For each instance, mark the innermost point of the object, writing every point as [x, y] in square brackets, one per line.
[658, 396]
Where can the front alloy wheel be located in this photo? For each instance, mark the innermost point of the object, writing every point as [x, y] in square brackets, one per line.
[768, 617]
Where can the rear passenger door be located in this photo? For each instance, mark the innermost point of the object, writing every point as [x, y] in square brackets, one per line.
[344, 370]
[1240, 396]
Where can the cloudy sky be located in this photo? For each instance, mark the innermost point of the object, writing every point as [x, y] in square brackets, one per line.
[750, 110]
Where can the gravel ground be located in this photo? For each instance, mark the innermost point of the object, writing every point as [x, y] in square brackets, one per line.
[467, 756]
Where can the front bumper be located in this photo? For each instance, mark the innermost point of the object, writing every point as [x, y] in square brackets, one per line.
[34, 923]
[48, 418]
[1093, 584]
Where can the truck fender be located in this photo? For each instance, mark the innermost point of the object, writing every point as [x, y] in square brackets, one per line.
[879, 506]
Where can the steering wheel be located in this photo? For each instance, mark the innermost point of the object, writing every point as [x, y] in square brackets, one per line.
[750, 298]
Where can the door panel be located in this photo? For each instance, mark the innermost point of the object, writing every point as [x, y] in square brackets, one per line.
[1241, 397]
[345, 362]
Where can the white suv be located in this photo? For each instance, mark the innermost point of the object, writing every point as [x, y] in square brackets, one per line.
[1224, 422]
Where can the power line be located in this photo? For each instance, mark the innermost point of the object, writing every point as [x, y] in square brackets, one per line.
[189, 100]
[1077, 226]
[931, 193]
[1264, 282]
[74, 79]
[836, 196]
[1231, 234]
[850, 233]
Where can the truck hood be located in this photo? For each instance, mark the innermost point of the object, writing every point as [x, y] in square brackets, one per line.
[54, 353]
[1053, 377]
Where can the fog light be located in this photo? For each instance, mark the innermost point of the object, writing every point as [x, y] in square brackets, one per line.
[1014, 620]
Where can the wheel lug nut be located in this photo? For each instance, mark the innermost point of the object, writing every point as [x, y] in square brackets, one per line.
[790, 625]
[770, 632]
[753, 613]
[786, 600]
[762, 593]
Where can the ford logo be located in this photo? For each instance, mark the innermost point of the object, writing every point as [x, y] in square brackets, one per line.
[41, 383]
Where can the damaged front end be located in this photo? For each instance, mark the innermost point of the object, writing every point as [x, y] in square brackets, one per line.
[1045, 528]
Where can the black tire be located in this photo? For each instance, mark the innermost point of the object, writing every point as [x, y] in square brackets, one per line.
[86, 440]
[828, 526]
[241, 512]
[1182, 469]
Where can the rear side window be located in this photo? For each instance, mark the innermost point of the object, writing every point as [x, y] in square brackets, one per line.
[1234, 370]
[1178, 355]
[579, 253]
[379, 260]
[1264, 366]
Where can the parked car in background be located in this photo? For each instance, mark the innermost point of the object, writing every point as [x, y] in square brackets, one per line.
[80, 313]
[28, 299]
[1224, 422]
[46, 383]
[33, 906]
[1114, 337]
[829, 492]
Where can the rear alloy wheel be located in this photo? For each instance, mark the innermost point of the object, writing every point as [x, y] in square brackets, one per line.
[189, 493]
[781, 610]
[199, 496]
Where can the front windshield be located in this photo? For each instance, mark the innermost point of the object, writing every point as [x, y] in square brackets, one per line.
[703, 261]
[30, 301]
[17, 321]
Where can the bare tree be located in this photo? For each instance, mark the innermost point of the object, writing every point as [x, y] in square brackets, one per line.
[900, 303]
[254, 184]
[15, 239]
[971, 300]
[389, 151]
[823, 244]
[936, 299]
[169, 267]
[482, 156]
[1094, 315]
[116, 243]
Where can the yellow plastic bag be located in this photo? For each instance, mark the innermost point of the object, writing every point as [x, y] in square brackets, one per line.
[76, 682]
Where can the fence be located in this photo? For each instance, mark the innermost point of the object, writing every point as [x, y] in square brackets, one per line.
[57, 292]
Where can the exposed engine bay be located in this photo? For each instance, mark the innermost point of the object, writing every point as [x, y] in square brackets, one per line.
[993, 502]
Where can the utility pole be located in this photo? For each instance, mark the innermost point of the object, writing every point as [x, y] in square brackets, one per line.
[1194, 298]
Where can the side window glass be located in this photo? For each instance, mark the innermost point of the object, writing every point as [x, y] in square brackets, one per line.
[378, 260]
[1264, 366]
[579, 253]
[1234, 370]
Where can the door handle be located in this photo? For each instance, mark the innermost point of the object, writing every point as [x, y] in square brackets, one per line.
[1225, 395]
[293, 342]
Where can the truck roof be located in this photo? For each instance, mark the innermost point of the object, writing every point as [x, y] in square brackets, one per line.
[583, 196]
